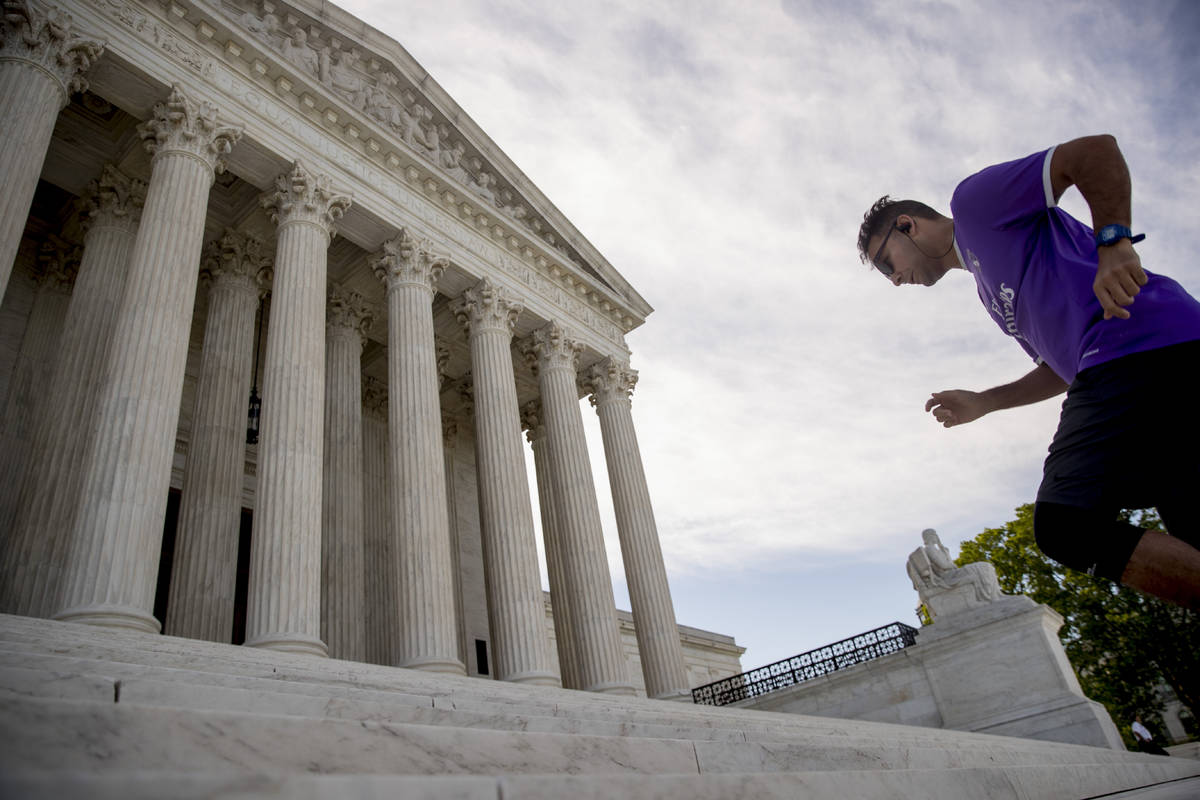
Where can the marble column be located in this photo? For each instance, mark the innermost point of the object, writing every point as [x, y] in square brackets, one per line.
[560, 599]
[343, 596]
[610, 384]
[49, 495]
[42, 62]
[428, 631]
[602, 667]
[379, 568]
[449, 441]
[203, 579]
[29, 388]
[516, 612]
[284, 609]
[112, 563]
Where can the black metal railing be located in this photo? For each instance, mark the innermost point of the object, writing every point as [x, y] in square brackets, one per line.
[813, 664]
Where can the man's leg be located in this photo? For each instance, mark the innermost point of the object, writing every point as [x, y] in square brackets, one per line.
[1095, 542]
[1165, 567]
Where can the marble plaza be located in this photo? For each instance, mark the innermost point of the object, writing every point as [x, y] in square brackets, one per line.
[278, 323]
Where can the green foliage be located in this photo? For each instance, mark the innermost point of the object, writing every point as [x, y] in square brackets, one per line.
[1121, 642]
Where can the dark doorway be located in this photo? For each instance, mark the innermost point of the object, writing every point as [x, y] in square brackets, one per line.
[166, 562]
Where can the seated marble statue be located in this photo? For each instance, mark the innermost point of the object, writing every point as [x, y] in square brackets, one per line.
[944, 587]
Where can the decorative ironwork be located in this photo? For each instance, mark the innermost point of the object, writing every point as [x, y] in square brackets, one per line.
[813, 664]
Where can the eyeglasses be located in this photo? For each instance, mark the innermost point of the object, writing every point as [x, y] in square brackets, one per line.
[886, 269]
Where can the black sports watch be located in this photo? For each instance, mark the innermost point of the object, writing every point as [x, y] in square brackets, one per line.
[1111, 234]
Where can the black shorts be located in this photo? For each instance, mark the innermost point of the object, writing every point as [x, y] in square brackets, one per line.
[1129, 438]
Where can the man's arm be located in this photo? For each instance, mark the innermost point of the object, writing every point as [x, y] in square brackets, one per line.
[1095, 166]
[959, 406]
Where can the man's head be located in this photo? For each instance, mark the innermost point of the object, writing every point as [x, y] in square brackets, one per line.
[923, 259]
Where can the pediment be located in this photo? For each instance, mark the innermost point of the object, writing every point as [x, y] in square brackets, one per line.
[374, 76]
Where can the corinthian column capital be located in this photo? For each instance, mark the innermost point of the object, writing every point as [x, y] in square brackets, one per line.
[532, 422]
[45, 40]
[609, 381]
[236, 259]
[407, 260]
[375, 397]
[487, 306]
[349, 311]
[113, 200]
[551, 347]
[303, 196]
[182, 125]
[58, 263]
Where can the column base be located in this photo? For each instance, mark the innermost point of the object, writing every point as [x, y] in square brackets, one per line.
[290, 643]
[534, 679]
[105, 616]
[440, 665]
[623, 689]
[675, 696]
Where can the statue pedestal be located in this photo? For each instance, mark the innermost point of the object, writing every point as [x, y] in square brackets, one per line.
[999, 668]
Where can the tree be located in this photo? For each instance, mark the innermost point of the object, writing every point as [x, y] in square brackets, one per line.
[1122, 643]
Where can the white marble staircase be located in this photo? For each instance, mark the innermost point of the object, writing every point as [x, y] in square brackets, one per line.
[93, 713]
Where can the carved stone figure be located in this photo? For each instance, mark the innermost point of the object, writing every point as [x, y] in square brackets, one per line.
[483, 184]
[451, 161]
[297, 50]
[944, 588]
[266, 29]
[340, 75]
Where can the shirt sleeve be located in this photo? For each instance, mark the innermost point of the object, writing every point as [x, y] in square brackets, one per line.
[1006, 194]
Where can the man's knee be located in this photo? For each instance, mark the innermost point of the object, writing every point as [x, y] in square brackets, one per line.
[1085, 539]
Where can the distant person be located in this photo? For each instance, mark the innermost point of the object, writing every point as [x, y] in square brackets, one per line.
[1129, 434]
[1145, 741]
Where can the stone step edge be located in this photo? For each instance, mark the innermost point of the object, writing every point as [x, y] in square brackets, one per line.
[138, 729]
[1014, 783]
[824, 730]
[576, 704]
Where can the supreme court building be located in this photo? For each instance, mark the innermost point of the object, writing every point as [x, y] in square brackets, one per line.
[278, 321]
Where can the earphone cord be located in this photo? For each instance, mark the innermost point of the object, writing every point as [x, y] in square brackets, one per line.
[922, 249]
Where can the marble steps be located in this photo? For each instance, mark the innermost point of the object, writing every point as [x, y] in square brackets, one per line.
[966, 784]
[66, 693]
[56, 735]
[26, 668]
[203, 712]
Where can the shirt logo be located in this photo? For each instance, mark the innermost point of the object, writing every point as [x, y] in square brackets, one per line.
[974, 259]
[1004, 307]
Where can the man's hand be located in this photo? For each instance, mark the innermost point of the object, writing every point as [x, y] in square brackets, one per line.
[957, 406]
[1119, 277]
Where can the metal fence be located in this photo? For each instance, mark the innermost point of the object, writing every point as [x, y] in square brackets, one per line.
[797, 669]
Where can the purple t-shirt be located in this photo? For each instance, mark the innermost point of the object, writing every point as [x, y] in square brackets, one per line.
[1034, 265]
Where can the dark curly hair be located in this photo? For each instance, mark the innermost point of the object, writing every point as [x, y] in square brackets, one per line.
[882, 215]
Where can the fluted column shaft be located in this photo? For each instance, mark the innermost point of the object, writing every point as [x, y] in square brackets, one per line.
[204, 576]
[428, 630]
[28, 391]
[343, 595]
[382, 603]
[112, 563]
[602, 666]
[42, 63]
[516, 611]
[611, 385]
[50, 488]
[560, 598]
[284, 609]
[449, 435]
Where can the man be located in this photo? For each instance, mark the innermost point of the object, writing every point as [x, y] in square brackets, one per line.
[1123, 342]
[1145, 740]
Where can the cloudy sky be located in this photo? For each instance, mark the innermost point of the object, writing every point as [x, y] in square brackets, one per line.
[721, 155]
